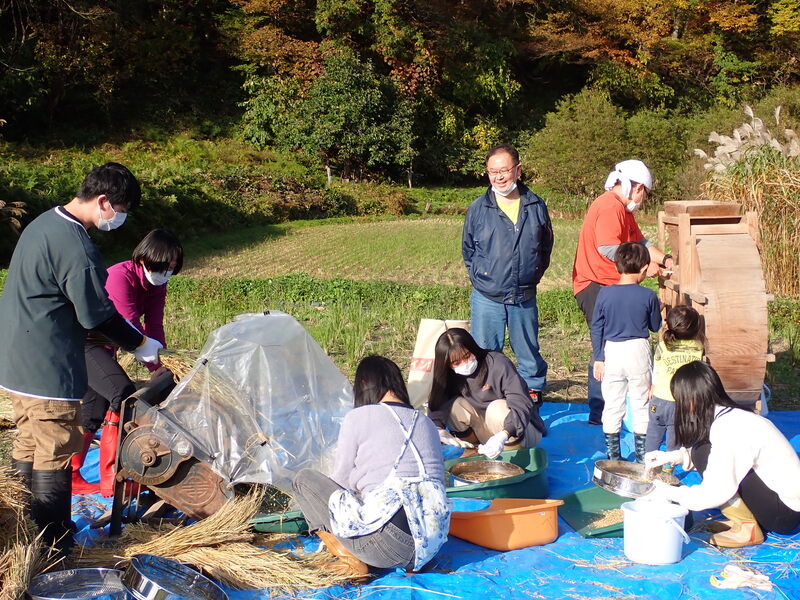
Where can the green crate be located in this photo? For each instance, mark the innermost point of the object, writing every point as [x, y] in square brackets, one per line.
[586, 506]
[531, 484]
[287, 522]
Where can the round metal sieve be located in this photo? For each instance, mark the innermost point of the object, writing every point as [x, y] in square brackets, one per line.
[627, 479]
[78, 584]
[470, 472]
[150, 577]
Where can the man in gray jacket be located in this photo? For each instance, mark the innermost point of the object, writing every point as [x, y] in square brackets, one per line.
[506, 244]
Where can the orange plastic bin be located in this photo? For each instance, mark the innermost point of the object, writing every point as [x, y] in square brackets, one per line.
[509, 523]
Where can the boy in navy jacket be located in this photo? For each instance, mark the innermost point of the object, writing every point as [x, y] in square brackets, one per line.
[624, 315]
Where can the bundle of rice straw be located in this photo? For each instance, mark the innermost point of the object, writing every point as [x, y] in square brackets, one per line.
[13, 502]
[22, 553]
[20, 563]
[221, 546]
[6, 410]
[180, 362]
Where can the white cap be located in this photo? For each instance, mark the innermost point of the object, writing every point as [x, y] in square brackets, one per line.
[627, 172]
[637, 171]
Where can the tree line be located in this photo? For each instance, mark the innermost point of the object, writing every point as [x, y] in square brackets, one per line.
[394, 89]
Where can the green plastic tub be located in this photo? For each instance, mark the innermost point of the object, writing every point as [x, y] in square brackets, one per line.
[531, 484]
[287, 522]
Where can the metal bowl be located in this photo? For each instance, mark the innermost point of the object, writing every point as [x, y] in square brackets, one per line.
[150, 577]
[628, 479]
[78, 584]
[471, 472]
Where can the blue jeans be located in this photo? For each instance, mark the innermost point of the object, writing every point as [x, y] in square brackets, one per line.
[662, 420]
[489, 321]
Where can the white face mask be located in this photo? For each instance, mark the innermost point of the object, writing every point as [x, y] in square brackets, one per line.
[631, 206]
[108, 224]
[505, 193]
[466, 369]
[157, 278]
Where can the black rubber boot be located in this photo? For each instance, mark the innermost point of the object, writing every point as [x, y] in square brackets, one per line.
[51, 508]
[639, 442]
[612, 446]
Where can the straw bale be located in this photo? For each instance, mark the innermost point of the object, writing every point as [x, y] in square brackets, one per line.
[6, 410]
[245, 566]
[13, 502]
[180, 362]
[13, 494]
[20, 563]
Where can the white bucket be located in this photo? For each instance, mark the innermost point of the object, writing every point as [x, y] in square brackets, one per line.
[654, 532]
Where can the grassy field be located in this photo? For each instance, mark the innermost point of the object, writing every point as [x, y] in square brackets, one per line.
[360, 286]
[422, 251]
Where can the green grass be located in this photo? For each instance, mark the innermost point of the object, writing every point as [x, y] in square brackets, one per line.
[361, 286]
[352, 318]
[424, 251]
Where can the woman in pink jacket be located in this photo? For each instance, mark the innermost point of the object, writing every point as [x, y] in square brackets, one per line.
[138, 289]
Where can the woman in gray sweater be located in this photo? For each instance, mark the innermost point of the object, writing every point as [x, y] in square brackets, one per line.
[480, 391]
[385, 504]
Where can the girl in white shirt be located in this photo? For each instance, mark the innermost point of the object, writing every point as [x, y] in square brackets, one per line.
[749, 468]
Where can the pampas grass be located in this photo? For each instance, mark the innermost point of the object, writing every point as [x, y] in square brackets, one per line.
[221, 546]
[761, 171]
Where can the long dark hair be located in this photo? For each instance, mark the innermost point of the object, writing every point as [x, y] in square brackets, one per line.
[697, 390]
[454, 343]
[376, 375]
[683, 323]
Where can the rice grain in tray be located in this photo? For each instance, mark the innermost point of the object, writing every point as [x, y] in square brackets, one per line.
[612, 516]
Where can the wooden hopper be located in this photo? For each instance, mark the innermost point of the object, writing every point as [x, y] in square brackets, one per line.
[718, 272]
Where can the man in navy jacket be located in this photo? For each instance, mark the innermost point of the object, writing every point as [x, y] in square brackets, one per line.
[506, 244]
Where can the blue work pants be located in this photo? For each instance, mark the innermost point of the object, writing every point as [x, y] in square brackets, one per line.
[489, 320]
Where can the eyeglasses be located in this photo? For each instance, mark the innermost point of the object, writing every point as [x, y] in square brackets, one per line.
[504, 172]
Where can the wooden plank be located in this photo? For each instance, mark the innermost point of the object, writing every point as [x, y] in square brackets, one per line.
[751, 218]
[687, 252]
[720, 229]
[702, 208]
[752, 357]
[736, 319]
[703, 220]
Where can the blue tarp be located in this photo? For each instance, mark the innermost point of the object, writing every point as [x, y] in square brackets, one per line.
[570, 567]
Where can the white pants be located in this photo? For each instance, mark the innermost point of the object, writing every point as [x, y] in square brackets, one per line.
[486, 423]
[628, 368]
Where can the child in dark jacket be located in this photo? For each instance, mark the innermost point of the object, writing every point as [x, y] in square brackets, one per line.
[624, 314]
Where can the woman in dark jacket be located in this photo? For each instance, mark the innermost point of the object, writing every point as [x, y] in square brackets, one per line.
[480, 391]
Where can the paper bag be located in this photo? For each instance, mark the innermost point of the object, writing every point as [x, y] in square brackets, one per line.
[420, 375]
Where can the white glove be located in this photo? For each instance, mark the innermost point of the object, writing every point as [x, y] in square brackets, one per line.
[449, 439]
[494, 445]
[661, 492]
[738, 576]
[657, 458]
[147, 352]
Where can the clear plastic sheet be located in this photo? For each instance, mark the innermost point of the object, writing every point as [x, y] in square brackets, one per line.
[263, 402]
